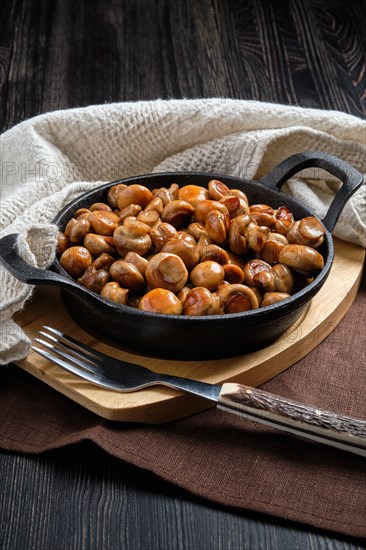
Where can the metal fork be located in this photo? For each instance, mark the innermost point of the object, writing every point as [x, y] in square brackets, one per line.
[344, 432]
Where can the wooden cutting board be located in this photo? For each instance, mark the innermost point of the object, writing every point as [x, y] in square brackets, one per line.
[159, 404]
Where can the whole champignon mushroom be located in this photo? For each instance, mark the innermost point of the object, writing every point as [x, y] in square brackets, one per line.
[217, 225]
[270, 298]
[113, 291]
[262, 214]
[167, 195]
[113, 192]
[75, 260]
[132, 236]
[272, 247]
[103, 222]
[166, 270]
[237, 298]
[208, 274]
[301, 258]
[178, 213]
[138, 261]
[128, 276]
[283, 220]
[204, 207]
[99, 244]
[236, 206]
[308, 231]
[278, 279]
[134, 194]
[94, 279]
[161, 300]
[100, 206]
[215, 253]
[251, 268]
[217, 190]
[233, 273]
[183, 245]
[200, 301]
[76, 229]
[160, 234]
[193, 194]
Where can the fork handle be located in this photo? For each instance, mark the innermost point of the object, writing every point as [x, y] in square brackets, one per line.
[310, 422]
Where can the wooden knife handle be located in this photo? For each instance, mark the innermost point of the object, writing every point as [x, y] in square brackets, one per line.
[326, 427]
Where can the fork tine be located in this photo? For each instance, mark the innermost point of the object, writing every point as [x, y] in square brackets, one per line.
[68, 356]
[92, 362]
[78, 345]
[63, 364]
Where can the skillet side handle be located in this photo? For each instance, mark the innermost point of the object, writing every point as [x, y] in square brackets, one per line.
[25, 272]
[350, 177]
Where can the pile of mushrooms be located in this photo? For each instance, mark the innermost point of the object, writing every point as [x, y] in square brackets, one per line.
[190, 250]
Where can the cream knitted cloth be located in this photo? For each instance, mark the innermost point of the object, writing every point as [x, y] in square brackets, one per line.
[48, 160]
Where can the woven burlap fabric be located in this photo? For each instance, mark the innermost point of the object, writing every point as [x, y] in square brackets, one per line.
[48, 160]
[219, 456]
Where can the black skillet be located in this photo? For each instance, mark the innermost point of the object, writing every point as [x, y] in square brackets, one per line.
[195, 337]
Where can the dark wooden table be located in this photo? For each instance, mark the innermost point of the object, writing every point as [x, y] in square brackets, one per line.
[57, 54]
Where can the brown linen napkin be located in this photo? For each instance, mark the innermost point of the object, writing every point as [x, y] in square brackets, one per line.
[219, 456]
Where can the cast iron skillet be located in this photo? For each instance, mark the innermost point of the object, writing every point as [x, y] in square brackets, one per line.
[195, 337]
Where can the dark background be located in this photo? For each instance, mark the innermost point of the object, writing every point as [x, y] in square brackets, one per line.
[62, 54]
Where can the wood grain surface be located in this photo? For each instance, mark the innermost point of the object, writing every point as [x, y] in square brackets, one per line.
[58, 54]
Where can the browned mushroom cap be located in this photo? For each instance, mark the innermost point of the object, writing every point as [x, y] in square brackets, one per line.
[270, 298]
[178, 213]
[113, 291]
[130, 210]
[100, 206]
[155, 205]
[236, 298]
[150, 217]
[75, 260]
[193, 194]
[81, 212]
[262, 214]
[214, 253]
[134, 194]
[237, 234]
[183, 245]
[240, 194]
[204, 207]
[199, 301]
[138, 261]
[217, 190]
[132, 235]
[166, 270]
[128, 276]
[236, 205]
[160, 234]
[167, 195]
[94, 279]
[161, 300]
[99, 244]
[208, 274]
[182, 294]
[301, 258]
[113, 194]
[62, 243]
[235, 259]
[104, 261]
[283, 220]
[76, 229]
[233, 274]
[251, 268]
[103, 223]
[279, 279]
[197, 230]
[308, 231]
[257, 236]
[272, 247]
[217, 225]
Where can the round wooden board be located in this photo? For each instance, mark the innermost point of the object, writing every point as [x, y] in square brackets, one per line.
[159, 404]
